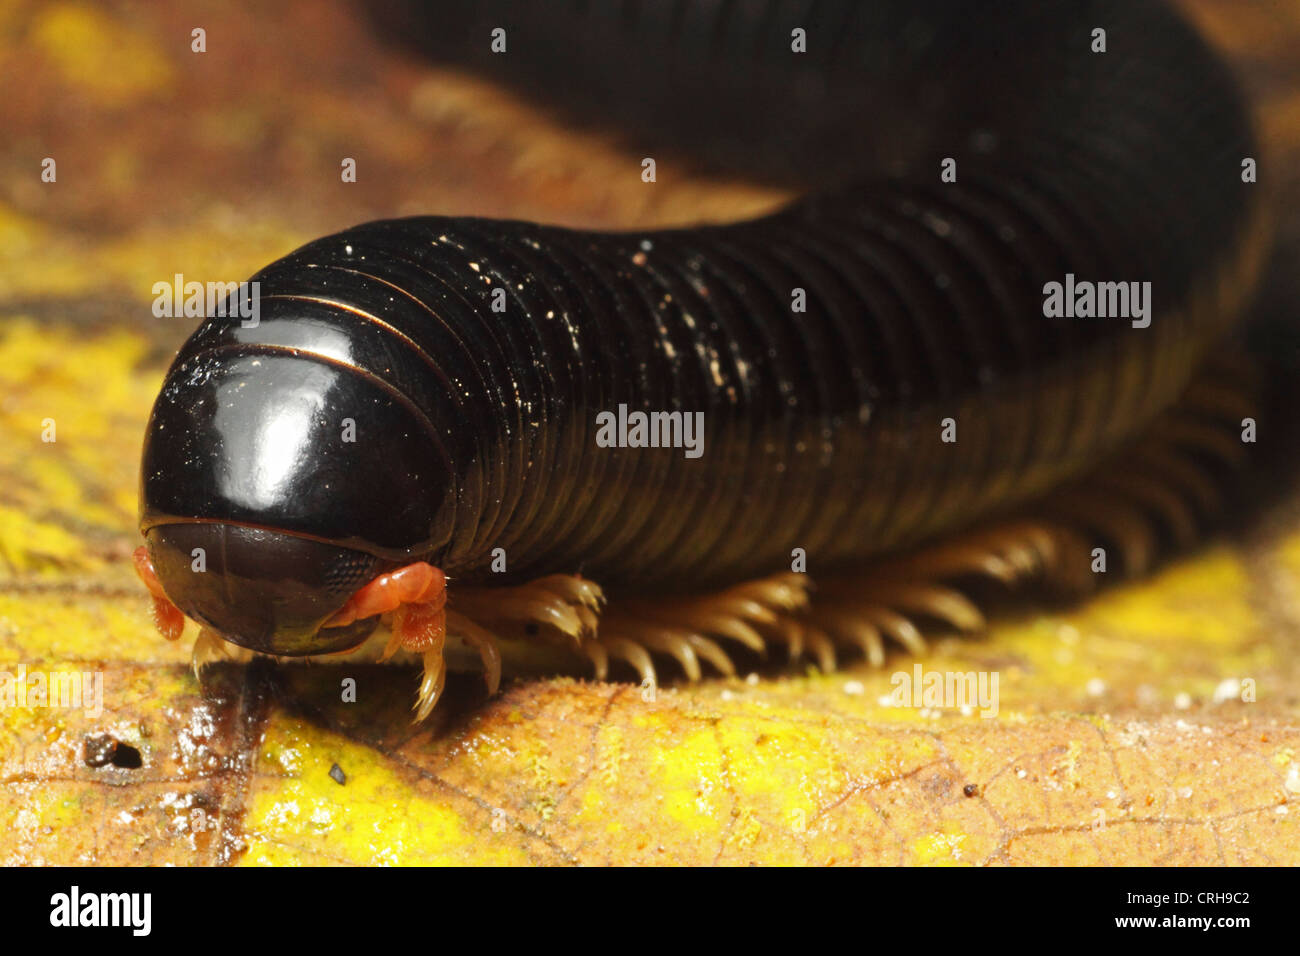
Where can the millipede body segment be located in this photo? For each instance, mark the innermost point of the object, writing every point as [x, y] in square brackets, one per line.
[873, 367]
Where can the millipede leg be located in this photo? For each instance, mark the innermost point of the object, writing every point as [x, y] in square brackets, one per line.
[694, 630]
[208, 649]
[483, 641]
[435, 678]
[558, 605]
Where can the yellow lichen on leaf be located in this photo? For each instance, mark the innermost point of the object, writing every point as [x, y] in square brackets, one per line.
[99, 57]
[43, 261]
[70, 415]
[382, 812]
[1155, 723]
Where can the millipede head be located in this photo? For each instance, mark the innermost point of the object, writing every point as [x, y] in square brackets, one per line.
[268, 591]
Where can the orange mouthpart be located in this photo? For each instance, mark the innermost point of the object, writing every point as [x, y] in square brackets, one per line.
[417, 592]
[167, 617]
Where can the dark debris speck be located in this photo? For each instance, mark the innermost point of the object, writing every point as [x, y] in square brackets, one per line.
[337, 775]
[104, 749]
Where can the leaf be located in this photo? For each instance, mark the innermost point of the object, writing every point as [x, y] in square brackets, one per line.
[1120, 737]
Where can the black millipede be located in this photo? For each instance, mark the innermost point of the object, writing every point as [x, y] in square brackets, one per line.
[882, 389]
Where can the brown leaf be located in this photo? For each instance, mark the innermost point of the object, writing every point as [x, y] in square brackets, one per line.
[1121, 734]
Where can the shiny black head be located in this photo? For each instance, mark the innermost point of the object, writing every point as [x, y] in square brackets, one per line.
[265, 590]
[288, 441]
[288, 451]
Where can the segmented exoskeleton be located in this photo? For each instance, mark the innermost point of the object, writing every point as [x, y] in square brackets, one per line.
[874, 364]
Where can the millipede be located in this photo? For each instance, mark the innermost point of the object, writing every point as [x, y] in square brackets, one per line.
[408, 432]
